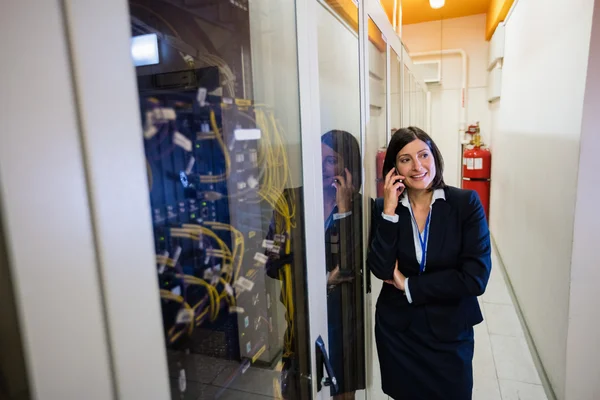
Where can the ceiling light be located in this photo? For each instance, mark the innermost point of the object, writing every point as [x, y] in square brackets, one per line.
[437, 3]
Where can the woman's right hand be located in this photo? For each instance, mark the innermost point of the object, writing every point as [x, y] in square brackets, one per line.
[392, 190]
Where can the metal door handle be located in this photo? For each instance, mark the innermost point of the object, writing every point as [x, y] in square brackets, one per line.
[323, 360]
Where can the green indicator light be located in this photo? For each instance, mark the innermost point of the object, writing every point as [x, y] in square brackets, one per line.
[193, 215]
[162, 238]
[204, 203]
[197, 146]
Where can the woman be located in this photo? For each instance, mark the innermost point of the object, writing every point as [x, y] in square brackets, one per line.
[431, 246]
[341, 167]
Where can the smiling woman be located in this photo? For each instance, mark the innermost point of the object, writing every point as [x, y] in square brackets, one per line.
[431, 247]
[417, 158]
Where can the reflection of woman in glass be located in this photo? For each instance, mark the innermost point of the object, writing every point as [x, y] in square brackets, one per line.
[341, 165]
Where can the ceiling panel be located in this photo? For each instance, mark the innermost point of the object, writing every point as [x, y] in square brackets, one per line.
[415, 11]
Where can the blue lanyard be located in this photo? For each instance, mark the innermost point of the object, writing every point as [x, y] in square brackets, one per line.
[422, 239]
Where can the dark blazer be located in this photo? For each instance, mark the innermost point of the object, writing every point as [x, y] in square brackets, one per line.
[457, 271]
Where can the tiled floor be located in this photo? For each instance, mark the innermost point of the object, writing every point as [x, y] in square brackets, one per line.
[503, 366]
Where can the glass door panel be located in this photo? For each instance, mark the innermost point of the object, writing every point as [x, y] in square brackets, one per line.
[339, 89]
[376, 141]
[219, 104]
[377, 125]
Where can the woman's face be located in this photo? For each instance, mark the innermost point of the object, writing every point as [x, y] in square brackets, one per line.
[332, 165]
[416, 163]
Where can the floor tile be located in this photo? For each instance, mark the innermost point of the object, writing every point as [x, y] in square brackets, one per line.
[486, 389]
[513, 359]
[496, 291]
[502, 319]
[483, 359]
[512, 390]
[480, 301]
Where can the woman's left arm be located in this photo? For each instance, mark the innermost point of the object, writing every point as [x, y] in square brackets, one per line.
[470, 276]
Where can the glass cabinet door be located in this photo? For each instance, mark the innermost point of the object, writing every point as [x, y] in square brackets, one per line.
[219, 105]
[341, 155]
[377, 123]
[376, 142]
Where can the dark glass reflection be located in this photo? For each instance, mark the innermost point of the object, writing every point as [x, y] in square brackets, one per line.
[342, 212]
[221, 151]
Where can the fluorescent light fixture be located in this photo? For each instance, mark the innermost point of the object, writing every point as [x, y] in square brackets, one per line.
[437, 3]
[144, 49]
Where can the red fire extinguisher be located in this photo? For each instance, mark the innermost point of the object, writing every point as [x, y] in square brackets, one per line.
[380, 158]
[477, 168]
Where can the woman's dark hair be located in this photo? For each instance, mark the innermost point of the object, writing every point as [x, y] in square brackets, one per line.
[346, 145]
[404, 136]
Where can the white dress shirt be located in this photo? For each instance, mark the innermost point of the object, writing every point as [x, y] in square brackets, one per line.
[418, 236]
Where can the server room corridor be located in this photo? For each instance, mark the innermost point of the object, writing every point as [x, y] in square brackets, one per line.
[189, 195]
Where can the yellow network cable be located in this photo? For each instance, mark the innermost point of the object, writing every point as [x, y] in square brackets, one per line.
[238, 245]
[196, 232]
[211, 291]
[219, 138]
[167, 295]
[193, 231]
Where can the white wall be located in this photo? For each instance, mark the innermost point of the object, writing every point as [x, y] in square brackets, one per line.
[467, 33]
[536, 139]
[583, 342]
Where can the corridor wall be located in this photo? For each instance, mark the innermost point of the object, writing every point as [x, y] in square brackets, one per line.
[536, 135]
[583, 340]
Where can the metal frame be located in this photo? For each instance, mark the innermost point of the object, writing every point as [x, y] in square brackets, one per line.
[388, 93]
[314, 237]
[363, 68]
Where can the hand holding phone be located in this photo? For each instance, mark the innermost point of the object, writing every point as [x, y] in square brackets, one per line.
[392, 190]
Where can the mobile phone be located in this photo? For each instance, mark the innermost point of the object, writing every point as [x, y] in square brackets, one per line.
[397, 173]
